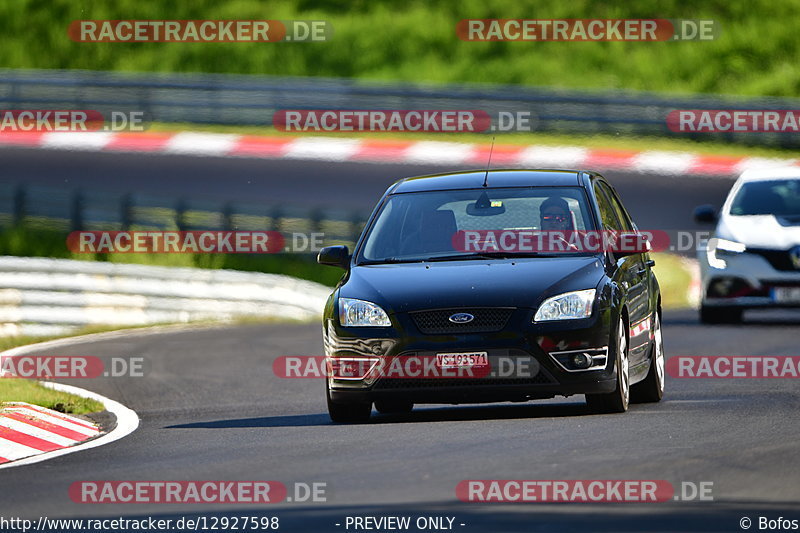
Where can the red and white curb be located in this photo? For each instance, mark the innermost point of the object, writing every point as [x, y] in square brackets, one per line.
[27, 430]
[31, 434]
[394, 151]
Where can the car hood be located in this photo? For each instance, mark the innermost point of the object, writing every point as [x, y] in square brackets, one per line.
[761, 231]
[520, 282]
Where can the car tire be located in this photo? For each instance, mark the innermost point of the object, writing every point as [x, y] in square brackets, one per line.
[618, 400]
[651, 389]
[720, 315]
[393, 407]
[349, 413]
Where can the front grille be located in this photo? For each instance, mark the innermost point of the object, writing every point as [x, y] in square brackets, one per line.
[440, 383]
[487, 320]
[779, 259]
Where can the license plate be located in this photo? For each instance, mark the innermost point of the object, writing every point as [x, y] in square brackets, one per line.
[786, 295]
[462, 360]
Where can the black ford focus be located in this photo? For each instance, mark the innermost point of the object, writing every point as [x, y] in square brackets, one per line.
[451, 295]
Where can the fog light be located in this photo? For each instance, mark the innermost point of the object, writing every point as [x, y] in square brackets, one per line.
[350, 368]
[581, 360]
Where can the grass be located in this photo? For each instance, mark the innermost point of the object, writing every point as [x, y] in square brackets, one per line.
[6, 343]
[674, 279]
[23, 390]
[25, 241]
[415, 40]
[30, 391]
[613, 142]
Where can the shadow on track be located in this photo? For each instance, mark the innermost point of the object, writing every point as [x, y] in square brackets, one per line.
[424, 415]
[524, 517]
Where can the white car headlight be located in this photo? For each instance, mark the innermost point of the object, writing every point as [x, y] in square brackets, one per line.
[354, 312]
[727, 246]
[567, 306]
[718, 248]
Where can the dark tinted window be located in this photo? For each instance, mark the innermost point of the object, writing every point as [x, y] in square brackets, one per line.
[622, 215]
[778, 197]
[607, 214]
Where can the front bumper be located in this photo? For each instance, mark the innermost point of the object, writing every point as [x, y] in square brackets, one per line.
[744, 280]
[532, 370]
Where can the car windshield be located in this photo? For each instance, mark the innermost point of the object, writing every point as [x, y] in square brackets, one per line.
[421, 226]
[778, 197]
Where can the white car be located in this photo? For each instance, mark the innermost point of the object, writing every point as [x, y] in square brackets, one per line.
[753, 258]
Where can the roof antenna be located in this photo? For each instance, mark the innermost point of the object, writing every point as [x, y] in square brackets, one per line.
[486, 177]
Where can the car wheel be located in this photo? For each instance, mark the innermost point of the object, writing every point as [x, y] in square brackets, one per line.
[390, 407]
[652, 388]
[616, 401]
[720, 315]
[349, 413]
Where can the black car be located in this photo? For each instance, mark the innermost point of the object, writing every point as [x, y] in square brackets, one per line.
[420, 318]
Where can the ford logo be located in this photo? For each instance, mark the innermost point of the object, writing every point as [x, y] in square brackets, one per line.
[461, 318]
[794, 255]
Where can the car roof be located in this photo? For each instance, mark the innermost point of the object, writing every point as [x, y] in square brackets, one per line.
[774, 173]
[473, 179]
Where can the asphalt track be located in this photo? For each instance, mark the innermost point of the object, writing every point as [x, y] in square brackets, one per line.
[655, 201]
[212, 409]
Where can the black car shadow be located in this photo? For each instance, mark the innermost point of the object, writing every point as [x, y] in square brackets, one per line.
[422, 415]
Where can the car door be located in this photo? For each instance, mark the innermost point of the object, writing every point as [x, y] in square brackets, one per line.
[632, 277]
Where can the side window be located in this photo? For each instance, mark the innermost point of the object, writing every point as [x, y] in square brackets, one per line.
[609, 218]
[622, 215]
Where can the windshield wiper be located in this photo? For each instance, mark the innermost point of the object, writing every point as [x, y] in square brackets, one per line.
[392, 260]
[489, 255]
[459, 257]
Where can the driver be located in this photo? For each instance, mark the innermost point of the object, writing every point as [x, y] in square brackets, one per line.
[555, 216]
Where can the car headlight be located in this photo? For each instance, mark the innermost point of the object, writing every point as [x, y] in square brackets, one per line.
[354, 312]
[567, 306]
[719, 248]
[724, 245]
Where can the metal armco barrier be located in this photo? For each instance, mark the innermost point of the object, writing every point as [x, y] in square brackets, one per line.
[252, 100]
[75, 209]
[53, 296]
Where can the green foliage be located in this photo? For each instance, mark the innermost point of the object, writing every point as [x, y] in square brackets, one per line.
[415, 40]
[34, 242]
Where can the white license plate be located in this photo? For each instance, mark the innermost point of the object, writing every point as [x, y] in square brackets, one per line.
[462, 360]
[786, 295]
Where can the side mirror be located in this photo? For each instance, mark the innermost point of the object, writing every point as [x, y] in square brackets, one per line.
[705, 214]
[338, 256]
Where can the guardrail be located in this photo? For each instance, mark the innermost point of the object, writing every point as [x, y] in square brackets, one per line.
[252, 100]
[52, 296]
[76, 209]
